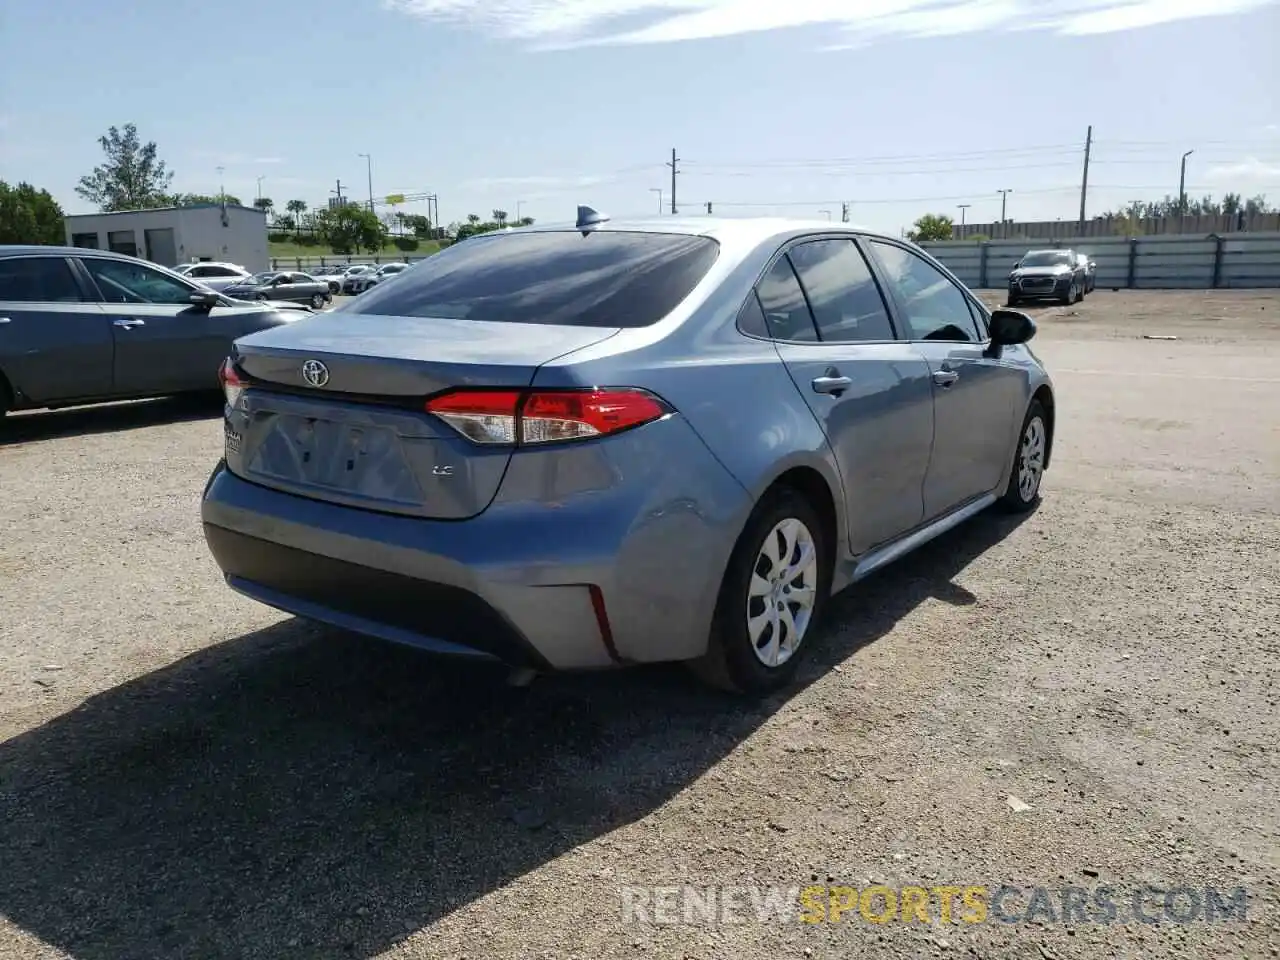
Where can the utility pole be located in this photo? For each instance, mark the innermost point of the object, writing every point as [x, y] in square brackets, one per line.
[844, 212]
[339, 193]
[674, 171]
[519, 204]
[658, 191]
[1084, 179]
[1004, 224]
[368, 165]
[1182, 191]
[222, 190]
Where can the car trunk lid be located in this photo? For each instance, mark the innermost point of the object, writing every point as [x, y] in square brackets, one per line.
[334, 411]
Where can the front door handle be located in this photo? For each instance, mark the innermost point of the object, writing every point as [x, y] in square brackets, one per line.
[127, 322]
[831, 383]
[945, 378]
[5, 320]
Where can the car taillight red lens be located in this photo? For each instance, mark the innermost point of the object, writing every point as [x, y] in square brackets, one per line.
[545, 416]
[233, 385]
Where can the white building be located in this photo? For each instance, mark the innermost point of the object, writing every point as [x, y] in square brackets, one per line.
[173, 235]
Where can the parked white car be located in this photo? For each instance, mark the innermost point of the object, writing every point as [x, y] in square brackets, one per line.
[386, 272]
[357, 277]
[215, 276]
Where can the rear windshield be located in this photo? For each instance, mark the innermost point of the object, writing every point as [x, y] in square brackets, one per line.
[603, 279]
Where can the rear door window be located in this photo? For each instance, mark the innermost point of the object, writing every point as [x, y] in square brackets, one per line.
[603, 279]
[37, 280]
[847, 306]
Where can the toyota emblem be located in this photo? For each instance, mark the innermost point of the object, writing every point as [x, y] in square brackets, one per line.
[315, 373]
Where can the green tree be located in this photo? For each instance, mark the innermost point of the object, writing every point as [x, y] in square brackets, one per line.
[265, 204]
[28, 215]
[932, 226]
[500, 217]
[352, 228]
[132, 177]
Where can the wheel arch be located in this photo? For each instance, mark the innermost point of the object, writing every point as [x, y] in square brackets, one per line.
[1044, 395]
[814, 479]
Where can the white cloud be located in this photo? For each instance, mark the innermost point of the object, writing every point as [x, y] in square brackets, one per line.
[567, 23]
[542, 183]
[1251, 170]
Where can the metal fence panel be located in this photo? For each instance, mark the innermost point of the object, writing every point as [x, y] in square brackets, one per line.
[1153, 262]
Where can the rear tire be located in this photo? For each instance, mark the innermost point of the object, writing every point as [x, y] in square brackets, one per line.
[1022, 492]
[773, 594]
[1013, 301]
[317, 301]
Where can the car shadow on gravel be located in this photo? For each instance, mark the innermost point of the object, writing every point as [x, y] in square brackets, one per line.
[298, 792]
[30, 426]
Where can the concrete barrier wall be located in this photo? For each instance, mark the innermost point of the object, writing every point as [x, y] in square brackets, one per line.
[1166, 262]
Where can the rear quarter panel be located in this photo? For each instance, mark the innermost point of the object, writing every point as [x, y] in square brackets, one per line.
[732, 389]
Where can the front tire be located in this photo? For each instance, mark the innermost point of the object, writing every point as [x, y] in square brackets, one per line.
[1022, 492]
[317, 301]
[774, 592]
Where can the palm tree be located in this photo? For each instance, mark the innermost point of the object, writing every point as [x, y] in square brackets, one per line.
[297, 208]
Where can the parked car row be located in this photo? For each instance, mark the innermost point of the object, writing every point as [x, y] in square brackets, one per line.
[1064, 275]
[81, 326]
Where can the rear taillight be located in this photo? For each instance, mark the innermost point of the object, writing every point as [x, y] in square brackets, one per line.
[545, 416]
[233, 385]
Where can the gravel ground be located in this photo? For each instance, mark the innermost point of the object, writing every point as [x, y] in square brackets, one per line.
[184, 773]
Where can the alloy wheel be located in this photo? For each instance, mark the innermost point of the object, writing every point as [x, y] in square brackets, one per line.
[782, 592]
[1031, 459]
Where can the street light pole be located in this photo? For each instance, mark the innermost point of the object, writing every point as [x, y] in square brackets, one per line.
[1004, 223]
[963, 208]
[1182, 191]
[368, 166]
[519, 204]
[658, 191]
[826, 213]
[260, 179]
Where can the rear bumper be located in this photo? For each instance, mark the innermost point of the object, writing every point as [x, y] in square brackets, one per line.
[607, 554]
[443, 619]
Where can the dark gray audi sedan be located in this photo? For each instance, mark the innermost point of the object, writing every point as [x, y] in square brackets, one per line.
[610, 443]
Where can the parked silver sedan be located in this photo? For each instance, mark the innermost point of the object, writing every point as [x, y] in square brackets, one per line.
[610, 443]
[282, 285]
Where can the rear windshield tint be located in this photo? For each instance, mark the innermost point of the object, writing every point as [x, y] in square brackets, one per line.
[603, 279]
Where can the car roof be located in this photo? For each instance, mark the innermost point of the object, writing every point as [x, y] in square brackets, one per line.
[717, 228]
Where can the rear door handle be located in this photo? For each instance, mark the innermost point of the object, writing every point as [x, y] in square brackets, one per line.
[5, 320]
[832, 383]
[129, 322]
[945, 378]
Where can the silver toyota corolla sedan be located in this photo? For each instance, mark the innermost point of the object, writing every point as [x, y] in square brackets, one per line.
[611, 443]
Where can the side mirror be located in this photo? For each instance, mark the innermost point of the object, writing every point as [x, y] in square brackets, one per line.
[207, 299]
[1010, 327]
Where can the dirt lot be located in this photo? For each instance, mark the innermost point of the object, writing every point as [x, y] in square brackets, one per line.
[184, 773]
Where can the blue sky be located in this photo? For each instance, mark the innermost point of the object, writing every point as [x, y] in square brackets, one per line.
[900, 108]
